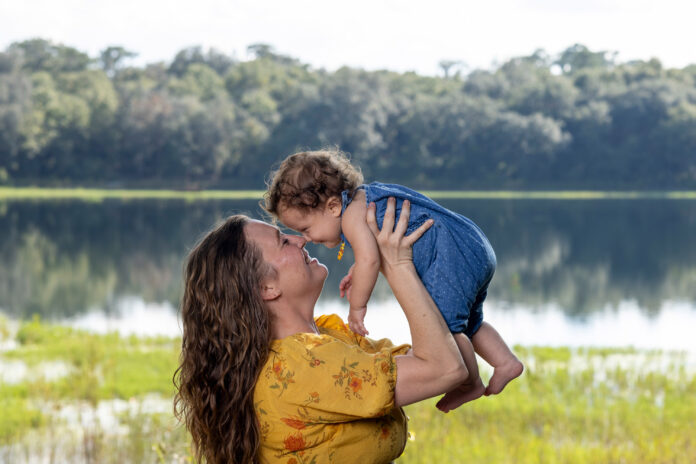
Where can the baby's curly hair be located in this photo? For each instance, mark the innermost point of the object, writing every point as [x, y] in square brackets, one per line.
[307, 179]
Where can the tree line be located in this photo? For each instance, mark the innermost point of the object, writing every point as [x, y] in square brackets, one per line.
[579, 119]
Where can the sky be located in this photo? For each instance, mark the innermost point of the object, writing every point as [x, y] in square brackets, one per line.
[399, 35]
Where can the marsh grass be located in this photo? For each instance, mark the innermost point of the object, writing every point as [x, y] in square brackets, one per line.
[570, 406]
[97, 195]
[583, 406]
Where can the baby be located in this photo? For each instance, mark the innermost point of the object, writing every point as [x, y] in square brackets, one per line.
[322, 196]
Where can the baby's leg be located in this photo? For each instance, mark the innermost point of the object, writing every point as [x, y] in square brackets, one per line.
[470, 390]
[490, 346]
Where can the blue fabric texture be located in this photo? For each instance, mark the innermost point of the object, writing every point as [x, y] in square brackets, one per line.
[453, 258]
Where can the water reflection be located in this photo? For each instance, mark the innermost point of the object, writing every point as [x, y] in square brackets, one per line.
[66, 258]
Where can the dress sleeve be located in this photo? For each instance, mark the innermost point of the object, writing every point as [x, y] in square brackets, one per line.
[370, 345]
[322, 379]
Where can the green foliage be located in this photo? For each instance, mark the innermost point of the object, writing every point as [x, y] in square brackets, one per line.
[578, 57]
[207, 119]
[18, 416]
[576, 120]
[44, 55]
[111, 58]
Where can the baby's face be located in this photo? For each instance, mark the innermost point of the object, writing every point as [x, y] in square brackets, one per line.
[319, 225]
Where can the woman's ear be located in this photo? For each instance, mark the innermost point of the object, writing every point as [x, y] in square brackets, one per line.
[334, 206]
[269, 291]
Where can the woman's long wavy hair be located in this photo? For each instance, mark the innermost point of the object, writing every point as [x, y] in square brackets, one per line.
[225, 344]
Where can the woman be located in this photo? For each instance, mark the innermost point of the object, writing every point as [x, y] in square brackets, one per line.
[262, 380]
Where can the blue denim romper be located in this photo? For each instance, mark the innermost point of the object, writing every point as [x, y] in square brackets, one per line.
[453, 258]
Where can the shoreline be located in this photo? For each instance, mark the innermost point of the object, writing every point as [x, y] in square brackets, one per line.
[94, 194]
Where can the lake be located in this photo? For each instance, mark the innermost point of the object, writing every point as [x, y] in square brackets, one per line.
[570, 272]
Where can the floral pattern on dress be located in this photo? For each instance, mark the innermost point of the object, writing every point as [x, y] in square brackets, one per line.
[351, 377]
[317, 392]
[282, 376]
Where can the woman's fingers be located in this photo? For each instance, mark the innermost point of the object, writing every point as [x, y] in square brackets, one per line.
[411, 238]
[399, 232]
[402, 224]
[388, 222]
[372, 219]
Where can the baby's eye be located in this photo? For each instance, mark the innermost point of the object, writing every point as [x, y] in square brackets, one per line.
[285, 241]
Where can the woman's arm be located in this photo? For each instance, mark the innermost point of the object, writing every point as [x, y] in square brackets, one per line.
[367, 262]
[434, 365]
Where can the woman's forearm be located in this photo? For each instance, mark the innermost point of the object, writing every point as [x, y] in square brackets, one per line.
[434, 364]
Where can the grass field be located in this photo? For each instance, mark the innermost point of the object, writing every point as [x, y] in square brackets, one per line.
[36, 193]
[72, 396]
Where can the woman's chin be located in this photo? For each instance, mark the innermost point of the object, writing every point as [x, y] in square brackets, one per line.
[323, 266]
[315, 262]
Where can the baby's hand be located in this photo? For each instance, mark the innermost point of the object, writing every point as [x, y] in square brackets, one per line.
[346, 282]
[356, 320]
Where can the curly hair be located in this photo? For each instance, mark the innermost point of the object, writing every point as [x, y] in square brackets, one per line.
[307, 179]
[226, 340]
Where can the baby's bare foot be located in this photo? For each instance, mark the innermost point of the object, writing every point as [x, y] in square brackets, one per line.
[502, 375]
[462, 394]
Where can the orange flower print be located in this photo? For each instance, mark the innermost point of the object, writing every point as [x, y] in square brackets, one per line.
[283, 377]
[294, 423]
[355, 384]
[292, 461]
[313, 397]
[294, 442]
[315, 362]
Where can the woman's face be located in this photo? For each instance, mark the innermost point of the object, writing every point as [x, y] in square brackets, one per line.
[297, 274]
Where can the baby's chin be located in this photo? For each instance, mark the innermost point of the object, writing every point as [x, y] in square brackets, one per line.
[333, 244]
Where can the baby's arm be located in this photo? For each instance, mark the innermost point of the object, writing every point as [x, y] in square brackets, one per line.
[367, 261]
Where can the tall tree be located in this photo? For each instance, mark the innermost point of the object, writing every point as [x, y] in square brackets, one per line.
[112, 58]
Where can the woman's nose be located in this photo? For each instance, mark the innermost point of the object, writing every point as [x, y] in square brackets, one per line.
[301, 240]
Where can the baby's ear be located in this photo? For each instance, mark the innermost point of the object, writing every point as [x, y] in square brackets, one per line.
[334, 205]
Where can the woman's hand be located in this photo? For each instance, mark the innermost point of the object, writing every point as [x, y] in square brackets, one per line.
[394, 246]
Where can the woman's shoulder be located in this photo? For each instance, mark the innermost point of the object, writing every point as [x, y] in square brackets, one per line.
[331, 327]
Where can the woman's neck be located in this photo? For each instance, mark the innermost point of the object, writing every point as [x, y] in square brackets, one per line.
[289, 322]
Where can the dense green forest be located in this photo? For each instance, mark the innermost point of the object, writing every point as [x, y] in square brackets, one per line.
[207, 120]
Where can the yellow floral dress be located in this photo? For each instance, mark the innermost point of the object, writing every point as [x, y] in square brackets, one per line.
[329, 398]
